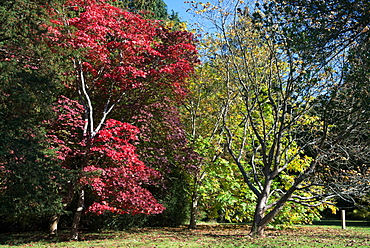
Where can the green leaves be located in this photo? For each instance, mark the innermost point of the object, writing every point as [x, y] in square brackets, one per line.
[30, 178]
[317, 29]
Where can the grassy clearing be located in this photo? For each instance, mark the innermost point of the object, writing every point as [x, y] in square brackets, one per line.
[204, 236]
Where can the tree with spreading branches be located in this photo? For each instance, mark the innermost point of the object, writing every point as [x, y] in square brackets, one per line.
[288, 138]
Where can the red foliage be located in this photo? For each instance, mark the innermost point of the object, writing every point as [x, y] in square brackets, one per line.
[124, 48]
[118, 176]
[117, 180]
[65, 133]
[117, 51]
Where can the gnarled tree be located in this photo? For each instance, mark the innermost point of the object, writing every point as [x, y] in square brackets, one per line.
[284, 145]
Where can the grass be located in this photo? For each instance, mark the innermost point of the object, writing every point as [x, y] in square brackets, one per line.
[205, 236]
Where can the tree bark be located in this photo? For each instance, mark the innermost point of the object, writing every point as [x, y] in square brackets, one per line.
[259, 220]
[259, 214]
[54, 220]
[53, 224]
[194, 210]
[77, 217]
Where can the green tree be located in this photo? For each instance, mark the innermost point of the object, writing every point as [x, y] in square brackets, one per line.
[29, 178]
[201, 118]
[157, 8]
[319, 31]
[219, 191]
[283, 145]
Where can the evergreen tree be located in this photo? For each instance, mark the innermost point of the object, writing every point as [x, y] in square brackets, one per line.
[156, 8]
[28, 176]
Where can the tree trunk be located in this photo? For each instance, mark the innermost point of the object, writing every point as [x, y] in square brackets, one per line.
[260, 221]
[81, 196]
[257, 228]
[53, 225]
[195, 199]
[194, 210]
[258, 231]
[54, 220]
[77, 217]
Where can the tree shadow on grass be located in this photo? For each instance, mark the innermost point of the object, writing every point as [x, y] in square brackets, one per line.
[23, 238]
[20, 238]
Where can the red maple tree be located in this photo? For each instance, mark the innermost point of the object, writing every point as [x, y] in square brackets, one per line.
[115, 51]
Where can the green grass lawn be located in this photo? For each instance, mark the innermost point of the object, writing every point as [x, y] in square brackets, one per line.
[205, 236]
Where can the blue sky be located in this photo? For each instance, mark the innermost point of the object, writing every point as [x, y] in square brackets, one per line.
[180, 7]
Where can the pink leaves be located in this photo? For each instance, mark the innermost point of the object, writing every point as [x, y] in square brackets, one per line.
[126, 47]
[100, 208]
[119, 132]
[117, 51]
[118, 178]
[114, 142]
[117, 181]
[134, 201]
[65, 133]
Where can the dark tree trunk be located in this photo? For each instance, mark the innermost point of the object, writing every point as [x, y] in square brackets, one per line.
[78, 213]
[257, 227]
[260, 220]
[194, 210]
[81, 196]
